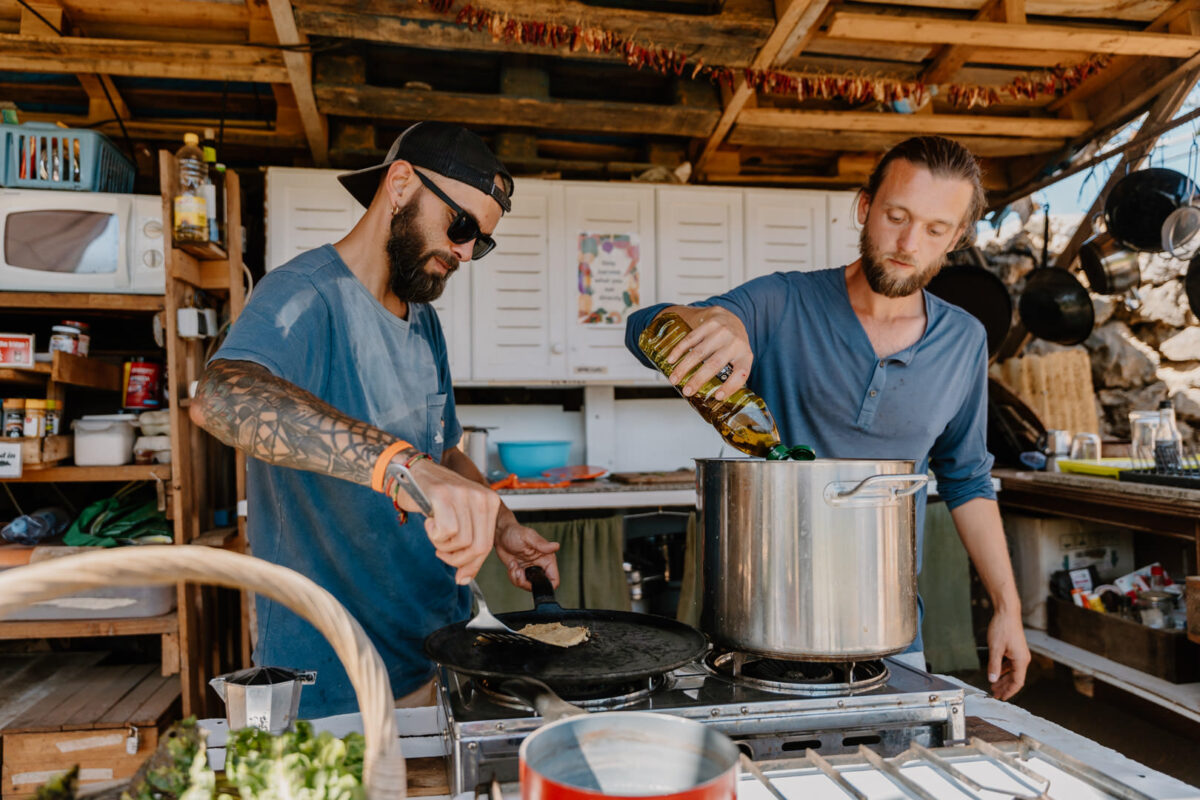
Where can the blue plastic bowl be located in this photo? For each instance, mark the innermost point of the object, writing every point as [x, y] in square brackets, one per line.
[531, 459]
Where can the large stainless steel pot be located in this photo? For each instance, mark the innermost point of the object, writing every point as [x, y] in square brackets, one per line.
[813, 560]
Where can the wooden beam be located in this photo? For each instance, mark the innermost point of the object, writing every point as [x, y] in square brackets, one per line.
[951, 58]
[378, 102]
[795, 26]
[174, 130]
[846, 25]
[188, 14]
[299, 68]
[840, 141]
[99, 105]
[1119, 65]
[141, 59]
[1128, 95]
[729, 38]
[940, 124]
[1133, 10]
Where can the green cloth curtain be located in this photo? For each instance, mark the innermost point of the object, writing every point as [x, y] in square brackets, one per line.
[945, 587]
[691, 589]
[589, 566]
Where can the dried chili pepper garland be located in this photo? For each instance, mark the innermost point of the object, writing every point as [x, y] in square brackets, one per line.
[501, 26]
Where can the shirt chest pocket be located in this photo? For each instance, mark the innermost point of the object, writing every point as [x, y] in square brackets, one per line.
[435, 424]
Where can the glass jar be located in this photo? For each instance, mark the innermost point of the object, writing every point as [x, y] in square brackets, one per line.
[14, 417]
[64, 339]
[35, 419]
[84, 332]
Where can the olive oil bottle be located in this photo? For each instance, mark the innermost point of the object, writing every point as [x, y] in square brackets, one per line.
[742, 419]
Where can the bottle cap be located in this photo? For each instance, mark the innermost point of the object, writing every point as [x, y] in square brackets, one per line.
[191, 138]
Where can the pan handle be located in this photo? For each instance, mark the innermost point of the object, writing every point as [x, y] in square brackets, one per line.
[549, 706]
[543, 591]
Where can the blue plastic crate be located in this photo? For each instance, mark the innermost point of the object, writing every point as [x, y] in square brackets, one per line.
[38, 155]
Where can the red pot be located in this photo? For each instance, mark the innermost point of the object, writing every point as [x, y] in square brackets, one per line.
[628, 754]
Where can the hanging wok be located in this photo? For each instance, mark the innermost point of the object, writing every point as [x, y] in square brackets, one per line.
[623, 646]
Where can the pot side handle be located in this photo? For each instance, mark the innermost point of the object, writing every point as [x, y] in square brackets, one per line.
[873, 491]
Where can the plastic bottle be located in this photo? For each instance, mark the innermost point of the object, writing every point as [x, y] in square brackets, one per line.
[191, 206]
[742, 419]
[1168, 444]
[43, 524]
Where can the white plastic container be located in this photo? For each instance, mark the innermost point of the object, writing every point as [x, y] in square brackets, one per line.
[104, 440]
[116, 602]
[155, 423]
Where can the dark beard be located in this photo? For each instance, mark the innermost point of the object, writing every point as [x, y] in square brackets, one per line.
[408, 278]
[881, 282]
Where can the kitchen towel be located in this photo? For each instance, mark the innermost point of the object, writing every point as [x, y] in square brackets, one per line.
[589, 567]
[945, 586]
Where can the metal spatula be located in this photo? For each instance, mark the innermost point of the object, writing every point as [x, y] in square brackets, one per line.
[484, 622]
[489, 627]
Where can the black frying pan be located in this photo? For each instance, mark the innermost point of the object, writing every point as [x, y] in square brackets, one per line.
[966, 282]
[623, 646]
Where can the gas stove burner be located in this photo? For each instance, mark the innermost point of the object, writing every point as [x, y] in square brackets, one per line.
[594, 697]
[805, 678]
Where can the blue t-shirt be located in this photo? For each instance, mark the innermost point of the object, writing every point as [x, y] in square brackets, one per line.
[818, 373]
[314, 324]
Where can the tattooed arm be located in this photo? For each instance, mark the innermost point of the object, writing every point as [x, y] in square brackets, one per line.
[247, 407]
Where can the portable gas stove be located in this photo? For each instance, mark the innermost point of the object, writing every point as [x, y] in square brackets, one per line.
[773, 709]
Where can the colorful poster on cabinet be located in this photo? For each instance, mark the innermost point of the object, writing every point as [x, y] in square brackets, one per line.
[608, 278]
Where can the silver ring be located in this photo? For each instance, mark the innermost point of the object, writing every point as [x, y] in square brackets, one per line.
[725, 372]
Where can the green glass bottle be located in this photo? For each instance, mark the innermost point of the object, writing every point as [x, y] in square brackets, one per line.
[742, 418]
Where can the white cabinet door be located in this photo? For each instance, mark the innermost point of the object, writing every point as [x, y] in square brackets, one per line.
[843, 228]
[602, 215]
[699, 243]
[785, 231]
[305, 208]
[517, 292]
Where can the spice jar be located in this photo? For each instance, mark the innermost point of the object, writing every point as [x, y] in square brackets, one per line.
[85, 336]
[53, 417]
[14, 417]
[64, 339]
[35, 419]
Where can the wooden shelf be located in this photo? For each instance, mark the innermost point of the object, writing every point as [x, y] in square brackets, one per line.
[129, 472]
[206, 251]
[73, 628]
[74, 301]
[1181, 698]
[69, 369]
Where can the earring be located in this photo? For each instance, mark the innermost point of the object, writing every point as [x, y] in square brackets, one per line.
[394, 210]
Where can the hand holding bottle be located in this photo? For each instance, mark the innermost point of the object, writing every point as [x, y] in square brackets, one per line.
[717, 338]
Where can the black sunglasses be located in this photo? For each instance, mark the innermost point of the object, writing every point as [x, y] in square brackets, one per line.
[463, 228]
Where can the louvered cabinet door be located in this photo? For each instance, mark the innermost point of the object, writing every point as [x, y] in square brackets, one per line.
[699, 243]
[602, 284]
[517, 292]
[305, 208]
[843, 228]
[785, 231]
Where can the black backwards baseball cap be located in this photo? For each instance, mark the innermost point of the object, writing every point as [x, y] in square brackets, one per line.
[444, 148]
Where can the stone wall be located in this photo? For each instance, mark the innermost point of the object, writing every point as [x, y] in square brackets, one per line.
[1141, 352]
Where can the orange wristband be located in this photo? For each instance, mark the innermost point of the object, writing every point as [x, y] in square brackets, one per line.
[384, 459]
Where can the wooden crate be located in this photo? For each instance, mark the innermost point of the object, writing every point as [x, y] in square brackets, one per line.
[60, 710]
[45, 451]
[1161, 653]
[1057, 386]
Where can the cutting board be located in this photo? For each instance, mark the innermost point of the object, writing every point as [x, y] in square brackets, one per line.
[651, 478]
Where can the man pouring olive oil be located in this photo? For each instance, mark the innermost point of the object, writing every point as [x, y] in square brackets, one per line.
[859, 361]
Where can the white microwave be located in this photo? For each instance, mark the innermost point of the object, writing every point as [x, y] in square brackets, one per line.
[57, 241]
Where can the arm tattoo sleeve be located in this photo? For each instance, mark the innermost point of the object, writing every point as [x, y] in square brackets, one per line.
[247, 407]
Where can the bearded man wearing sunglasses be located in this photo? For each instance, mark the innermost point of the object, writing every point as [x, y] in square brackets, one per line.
[335, 379]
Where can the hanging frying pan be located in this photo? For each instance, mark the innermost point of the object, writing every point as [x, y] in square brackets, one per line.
[1140, 203]
[966, 282]
[622, 646]
[1055, 306]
